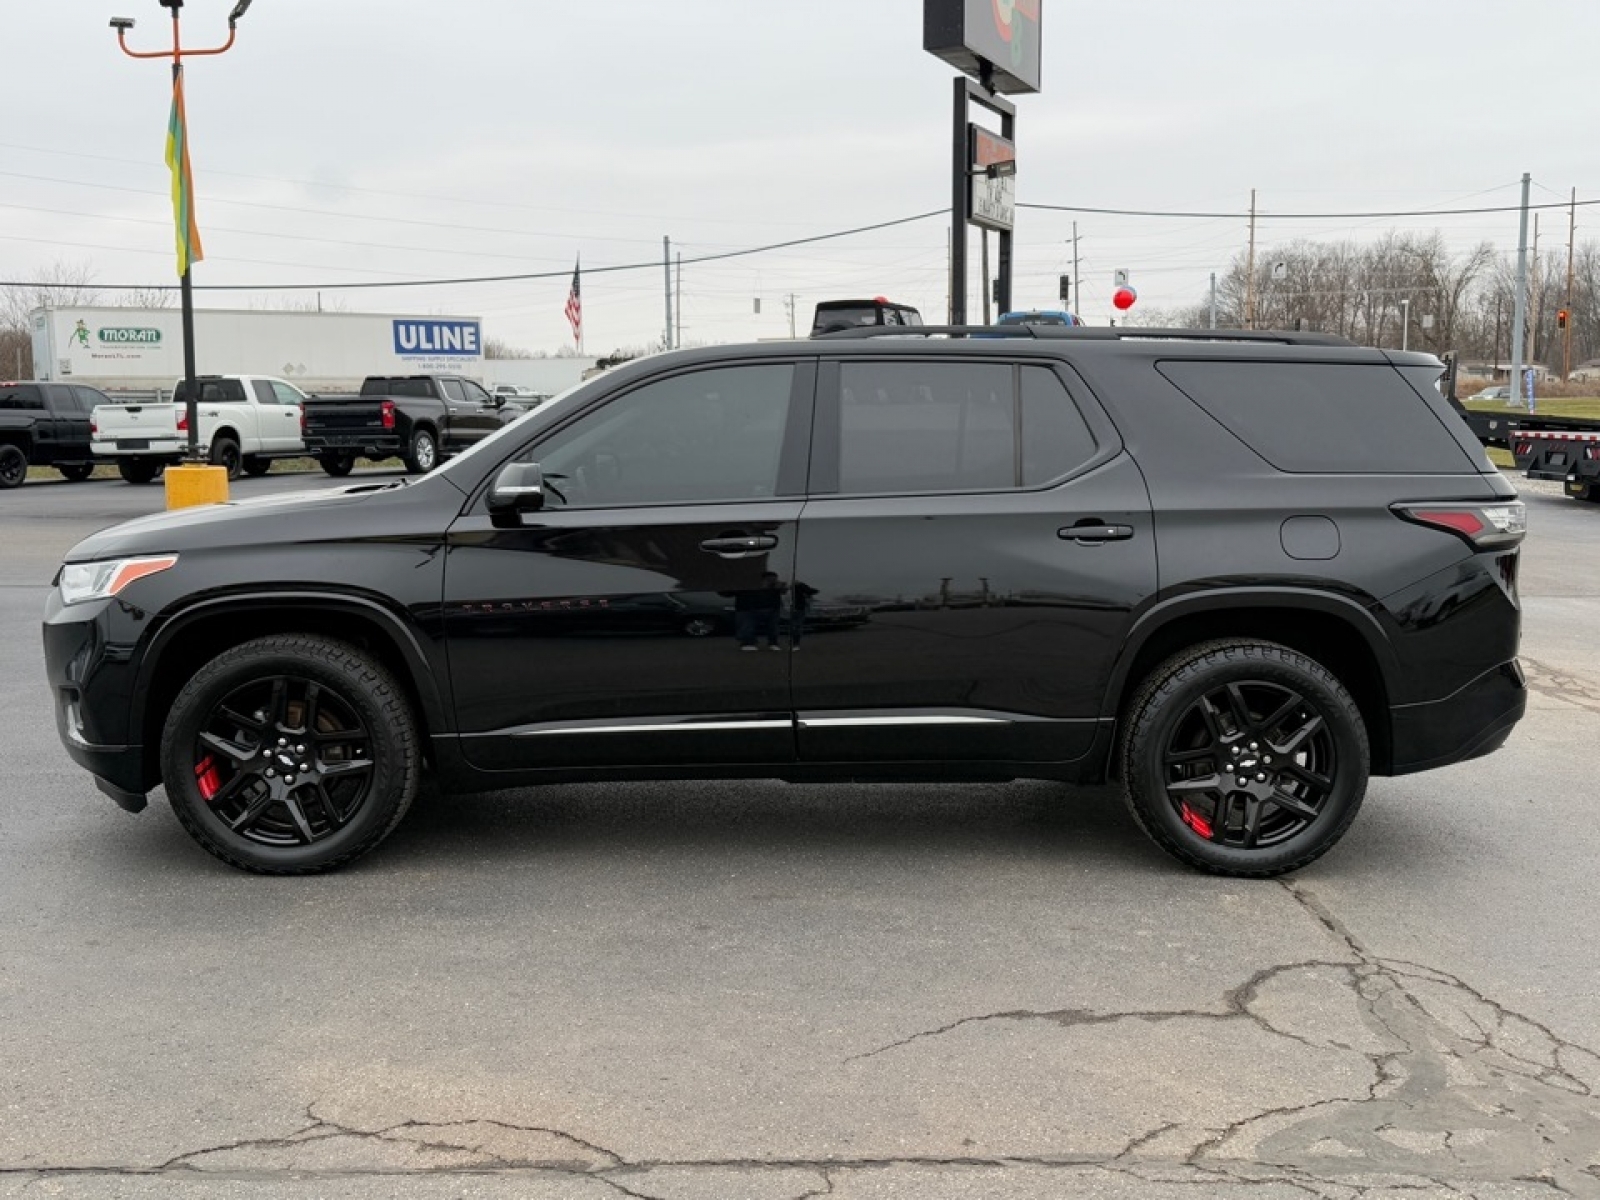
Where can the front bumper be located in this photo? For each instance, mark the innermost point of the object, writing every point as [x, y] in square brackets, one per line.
[90, 680]
[1475, 721]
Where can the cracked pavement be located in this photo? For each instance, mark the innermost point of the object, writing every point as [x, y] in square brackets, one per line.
[757, 991]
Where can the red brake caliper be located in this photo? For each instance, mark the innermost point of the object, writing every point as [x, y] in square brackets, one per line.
[1190, 818]
[205, 772]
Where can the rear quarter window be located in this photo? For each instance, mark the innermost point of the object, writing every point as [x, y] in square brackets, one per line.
[26, 396]
[1323, 418]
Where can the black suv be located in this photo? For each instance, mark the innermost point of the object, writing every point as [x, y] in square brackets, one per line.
[1237, 572]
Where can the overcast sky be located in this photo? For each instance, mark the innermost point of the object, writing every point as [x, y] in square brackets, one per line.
[345, 141]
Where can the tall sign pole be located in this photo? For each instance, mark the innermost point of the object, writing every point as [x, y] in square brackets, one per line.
[187, 230]
[996, 47]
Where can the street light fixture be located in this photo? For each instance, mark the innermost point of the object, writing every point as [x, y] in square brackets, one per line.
[188, 239]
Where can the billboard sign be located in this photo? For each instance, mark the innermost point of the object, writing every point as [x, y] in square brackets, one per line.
[1002, 33]
[431, 338]
[993, 200]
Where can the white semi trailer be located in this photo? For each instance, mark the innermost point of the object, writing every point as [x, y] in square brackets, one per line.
[141, 349]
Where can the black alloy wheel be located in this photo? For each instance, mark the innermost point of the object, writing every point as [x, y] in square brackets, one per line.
[13, 466]
[337, 465]
[225, 453]
[1245, 758]
[423, 456]
[290, 754]
[77, 472]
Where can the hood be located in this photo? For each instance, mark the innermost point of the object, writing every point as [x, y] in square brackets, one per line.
[290, 516]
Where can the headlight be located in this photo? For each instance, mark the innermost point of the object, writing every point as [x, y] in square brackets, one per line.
[100, 580]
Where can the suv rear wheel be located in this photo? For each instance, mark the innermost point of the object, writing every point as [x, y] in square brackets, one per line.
[290, 754]
[1244, 758]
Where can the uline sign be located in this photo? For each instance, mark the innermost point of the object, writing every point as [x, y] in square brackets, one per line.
[129, 337]
[414, 337]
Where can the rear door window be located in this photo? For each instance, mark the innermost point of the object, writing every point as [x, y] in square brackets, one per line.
[1323, 418]
[908, 427]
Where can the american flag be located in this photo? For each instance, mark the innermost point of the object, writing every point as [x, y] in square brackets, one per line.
[574, 308]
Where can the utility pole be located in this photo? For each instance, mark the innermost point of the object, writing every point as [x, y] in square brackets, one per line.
[1519, 313]
[677, 337]
[1213, 299]
[1535, 296]
[788, 303]
[1566, 334]
[1250, 270]
[666, 266]
[1077, 277]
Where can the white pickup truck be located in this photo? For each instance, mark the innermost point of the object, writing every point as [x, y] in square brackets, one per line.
[246, 421]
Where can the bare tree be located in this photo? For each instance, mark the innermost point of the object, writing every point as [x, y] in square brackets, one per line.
[146, 297]
[500, 348]
[61, 284]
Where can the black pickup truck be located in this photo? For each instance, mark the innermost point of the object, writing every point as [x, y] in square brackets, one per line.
[422, 419]
[46, 425]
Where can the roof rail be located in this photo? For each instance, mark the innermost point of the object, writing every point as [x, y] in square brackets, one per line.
[1088, 333]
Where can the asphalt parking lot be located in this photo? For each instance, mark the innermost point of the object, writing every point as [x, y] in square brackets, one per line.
[760, 990]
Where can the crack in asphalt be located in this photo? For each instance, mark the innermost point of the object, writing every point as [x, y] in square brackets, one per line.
[1560, 685]
[1464, 1092]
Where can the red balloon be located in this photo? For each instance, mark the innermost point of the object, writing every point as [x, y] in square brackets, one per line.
[1124, 297]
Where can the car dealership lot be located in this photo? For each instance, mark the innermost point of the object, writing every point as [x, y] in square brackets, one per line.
[769, 990]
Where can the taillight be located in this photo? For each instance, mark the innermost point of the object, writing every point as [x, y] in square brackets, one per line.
[388, 414]
[94, 428]
[183, 420]
[1482, 526]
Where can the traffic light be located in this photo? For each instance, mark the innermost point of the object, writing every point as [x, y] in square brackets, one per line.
[1561, 318]
[1066, 287]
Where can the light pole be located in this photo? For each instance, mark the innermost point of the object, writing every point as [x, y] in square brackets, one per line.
[1405, 322]
[188, 235]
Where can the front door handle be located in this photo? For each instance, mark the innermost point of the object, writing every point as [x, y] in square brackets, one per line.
[739, 547]
[1088, 533]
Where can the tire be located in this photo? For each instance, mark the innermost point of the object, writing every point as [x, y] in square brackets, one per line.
[332, 726]
[77, 472]
[337, 465]
[255, 465]
[422, 455]
[1580, 489]
[1229, 711]
[225, 453]
[13, 466]
[138, 470]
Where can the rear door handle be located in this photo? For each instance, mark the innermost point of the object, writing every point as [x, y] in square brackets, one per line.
[1090, 532]
[739, 547]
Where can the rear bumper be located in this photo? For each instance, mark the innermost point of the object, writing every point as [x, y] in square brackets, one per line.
[166, 449]
[1475, 721]
[368, 445]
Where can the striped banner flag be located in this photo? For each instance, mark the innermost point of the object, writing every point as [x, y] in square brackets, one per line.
[574, 308]
[188, 233]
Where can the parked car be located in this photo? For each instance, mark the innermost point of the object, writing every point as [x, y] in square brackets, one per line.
[833, 315]
[513, 391]
[246, 421]
[1175, 560]
[422, 419]
[1499, 395]
[45, 425]
[1035, 316]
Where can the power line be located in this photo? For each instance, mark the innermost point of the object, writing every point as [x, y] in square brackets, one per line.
[1267, 215]
[518, 278]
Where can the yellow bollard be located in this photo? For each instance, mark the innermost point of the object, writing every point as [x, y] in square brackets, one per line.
[191, 484]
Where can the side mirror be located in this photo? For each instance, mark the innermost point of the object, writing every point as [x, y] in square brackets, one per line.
[519, 488]
[497, 400]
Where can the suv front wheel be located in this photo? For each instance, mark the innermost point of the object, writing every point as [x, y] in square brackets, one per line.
[1244, 758]
[290, 754]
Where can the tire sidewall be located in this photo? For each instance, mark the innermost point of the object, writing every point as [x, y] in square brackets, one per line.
[1154, 726]
[13, 466]
[423, 442]
[225, 453]
[393, 777]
